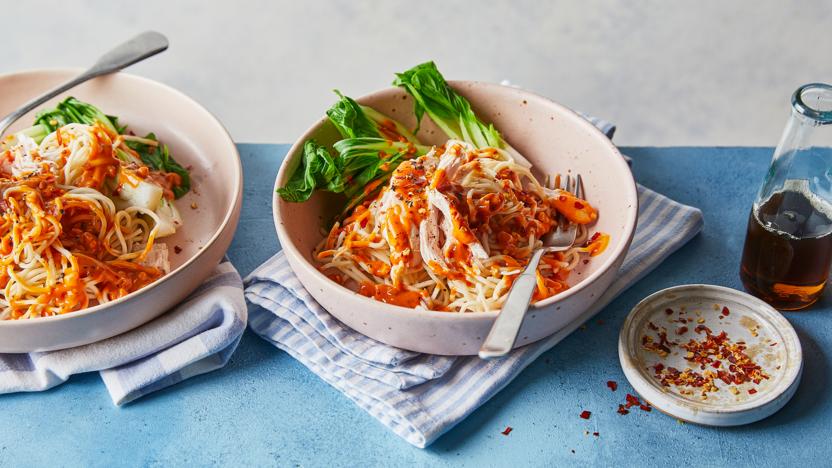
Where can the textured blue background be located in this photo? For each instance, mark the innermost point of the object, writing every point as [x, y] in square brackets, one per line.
[266, 409]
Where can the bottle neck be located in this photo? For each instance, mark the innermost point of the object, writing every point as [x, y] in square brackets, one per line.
[813, 102]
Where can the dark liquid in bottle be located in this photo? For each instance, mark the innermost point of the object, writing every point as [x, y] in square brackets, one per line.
[788, 249]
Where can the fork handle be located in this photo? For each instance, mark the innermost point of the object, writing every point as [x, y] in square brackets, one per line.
[503, 334]
[136, 49]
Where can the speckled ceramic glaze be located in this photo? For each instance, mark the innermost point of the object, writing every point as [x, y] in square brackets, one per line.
[771, 343]
[210, 211]
[554, 139]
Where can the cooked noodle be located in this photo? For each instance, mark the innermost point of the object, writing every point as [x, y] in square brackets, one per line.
[452, 230]
[70, 236]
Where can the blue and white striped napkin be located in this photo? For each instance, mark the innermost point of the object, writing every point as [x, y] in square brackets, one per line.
[196, 337]
[420, 396]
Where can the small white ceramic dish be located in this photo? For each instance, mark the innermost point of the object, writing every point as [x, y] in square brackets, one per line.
[771, 343]
[210, 211]
[553, 138]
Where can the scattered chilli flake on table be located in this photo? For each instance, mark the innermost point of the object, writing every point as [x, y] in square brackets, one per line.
[507, 430]
[585, 414]
[632, 401]
[612, 384]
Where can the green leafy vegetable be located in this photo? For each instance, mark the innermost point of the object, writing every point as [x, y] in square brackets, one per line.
[71, 110]
[317, 169]
[157, 157]
[350, 119]
[373, 146]
[368, 163]
[36, 132]
[356, 121]
[450, 111]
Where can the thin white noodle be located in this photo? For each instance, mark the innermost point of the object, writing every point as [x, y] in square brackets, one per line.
[37, 263]
[486, 279]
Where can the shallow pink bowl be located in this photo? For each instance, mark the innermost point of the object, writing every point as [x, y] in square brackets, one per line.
[210, 211]
[554, 139]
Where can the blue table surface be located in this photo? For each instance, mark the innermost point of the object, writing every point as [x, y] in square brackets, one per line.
[264, 408]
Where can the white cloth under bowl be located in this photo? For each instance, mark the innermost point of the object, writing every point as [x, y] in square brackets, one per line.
[196, 337]
[420, 396]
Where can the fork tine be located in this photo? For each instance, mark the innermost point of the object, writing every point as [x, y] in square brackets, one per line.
[579, 191]
[563, 223]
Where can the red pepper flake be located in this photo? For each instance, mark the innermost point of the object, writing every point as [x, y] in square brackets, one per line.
[773, 344]
[586, 261]
[668, 311]
[725, 311]
[612, 384]
[507, 430]
[752, 391]
[662, 348]
[177, 249]
[562, 198]
[632, 401]
[596, 434]
[579, 205]
[711, 351]
[585, 414]
[681, 330]
[702, 328]
[658, 367]
[652, 326]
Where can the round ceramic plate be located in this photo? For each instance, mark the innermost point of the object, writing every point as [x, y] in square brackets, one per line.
[210, 211]
[711, 384]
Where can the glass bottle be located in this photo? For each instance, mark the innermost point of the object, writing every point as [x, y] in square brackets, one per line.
[788, 245]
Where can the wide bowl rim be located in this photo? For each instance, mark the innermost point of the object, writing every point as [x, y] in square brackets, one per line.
[620, 249]
[227, 218]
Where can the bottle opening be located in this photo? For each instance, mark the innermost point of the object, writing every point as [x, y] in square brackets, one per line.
[814, 101]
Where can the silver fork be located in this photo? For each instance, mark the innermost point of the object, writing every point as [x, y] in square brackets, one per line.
[503, 334]
[137, 49]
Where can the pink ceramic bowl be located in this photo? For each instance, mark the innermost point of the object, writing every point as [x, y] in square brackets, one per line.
[554, 139]
[210, 211]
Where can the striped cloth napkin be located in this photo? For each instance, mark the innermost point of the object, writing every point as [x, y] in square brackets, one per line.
[196, 337]
[420, 396]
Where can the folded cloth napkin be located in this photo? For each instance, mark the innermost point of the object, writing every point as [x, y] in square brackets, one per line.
[421, 396]
[196, 337]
